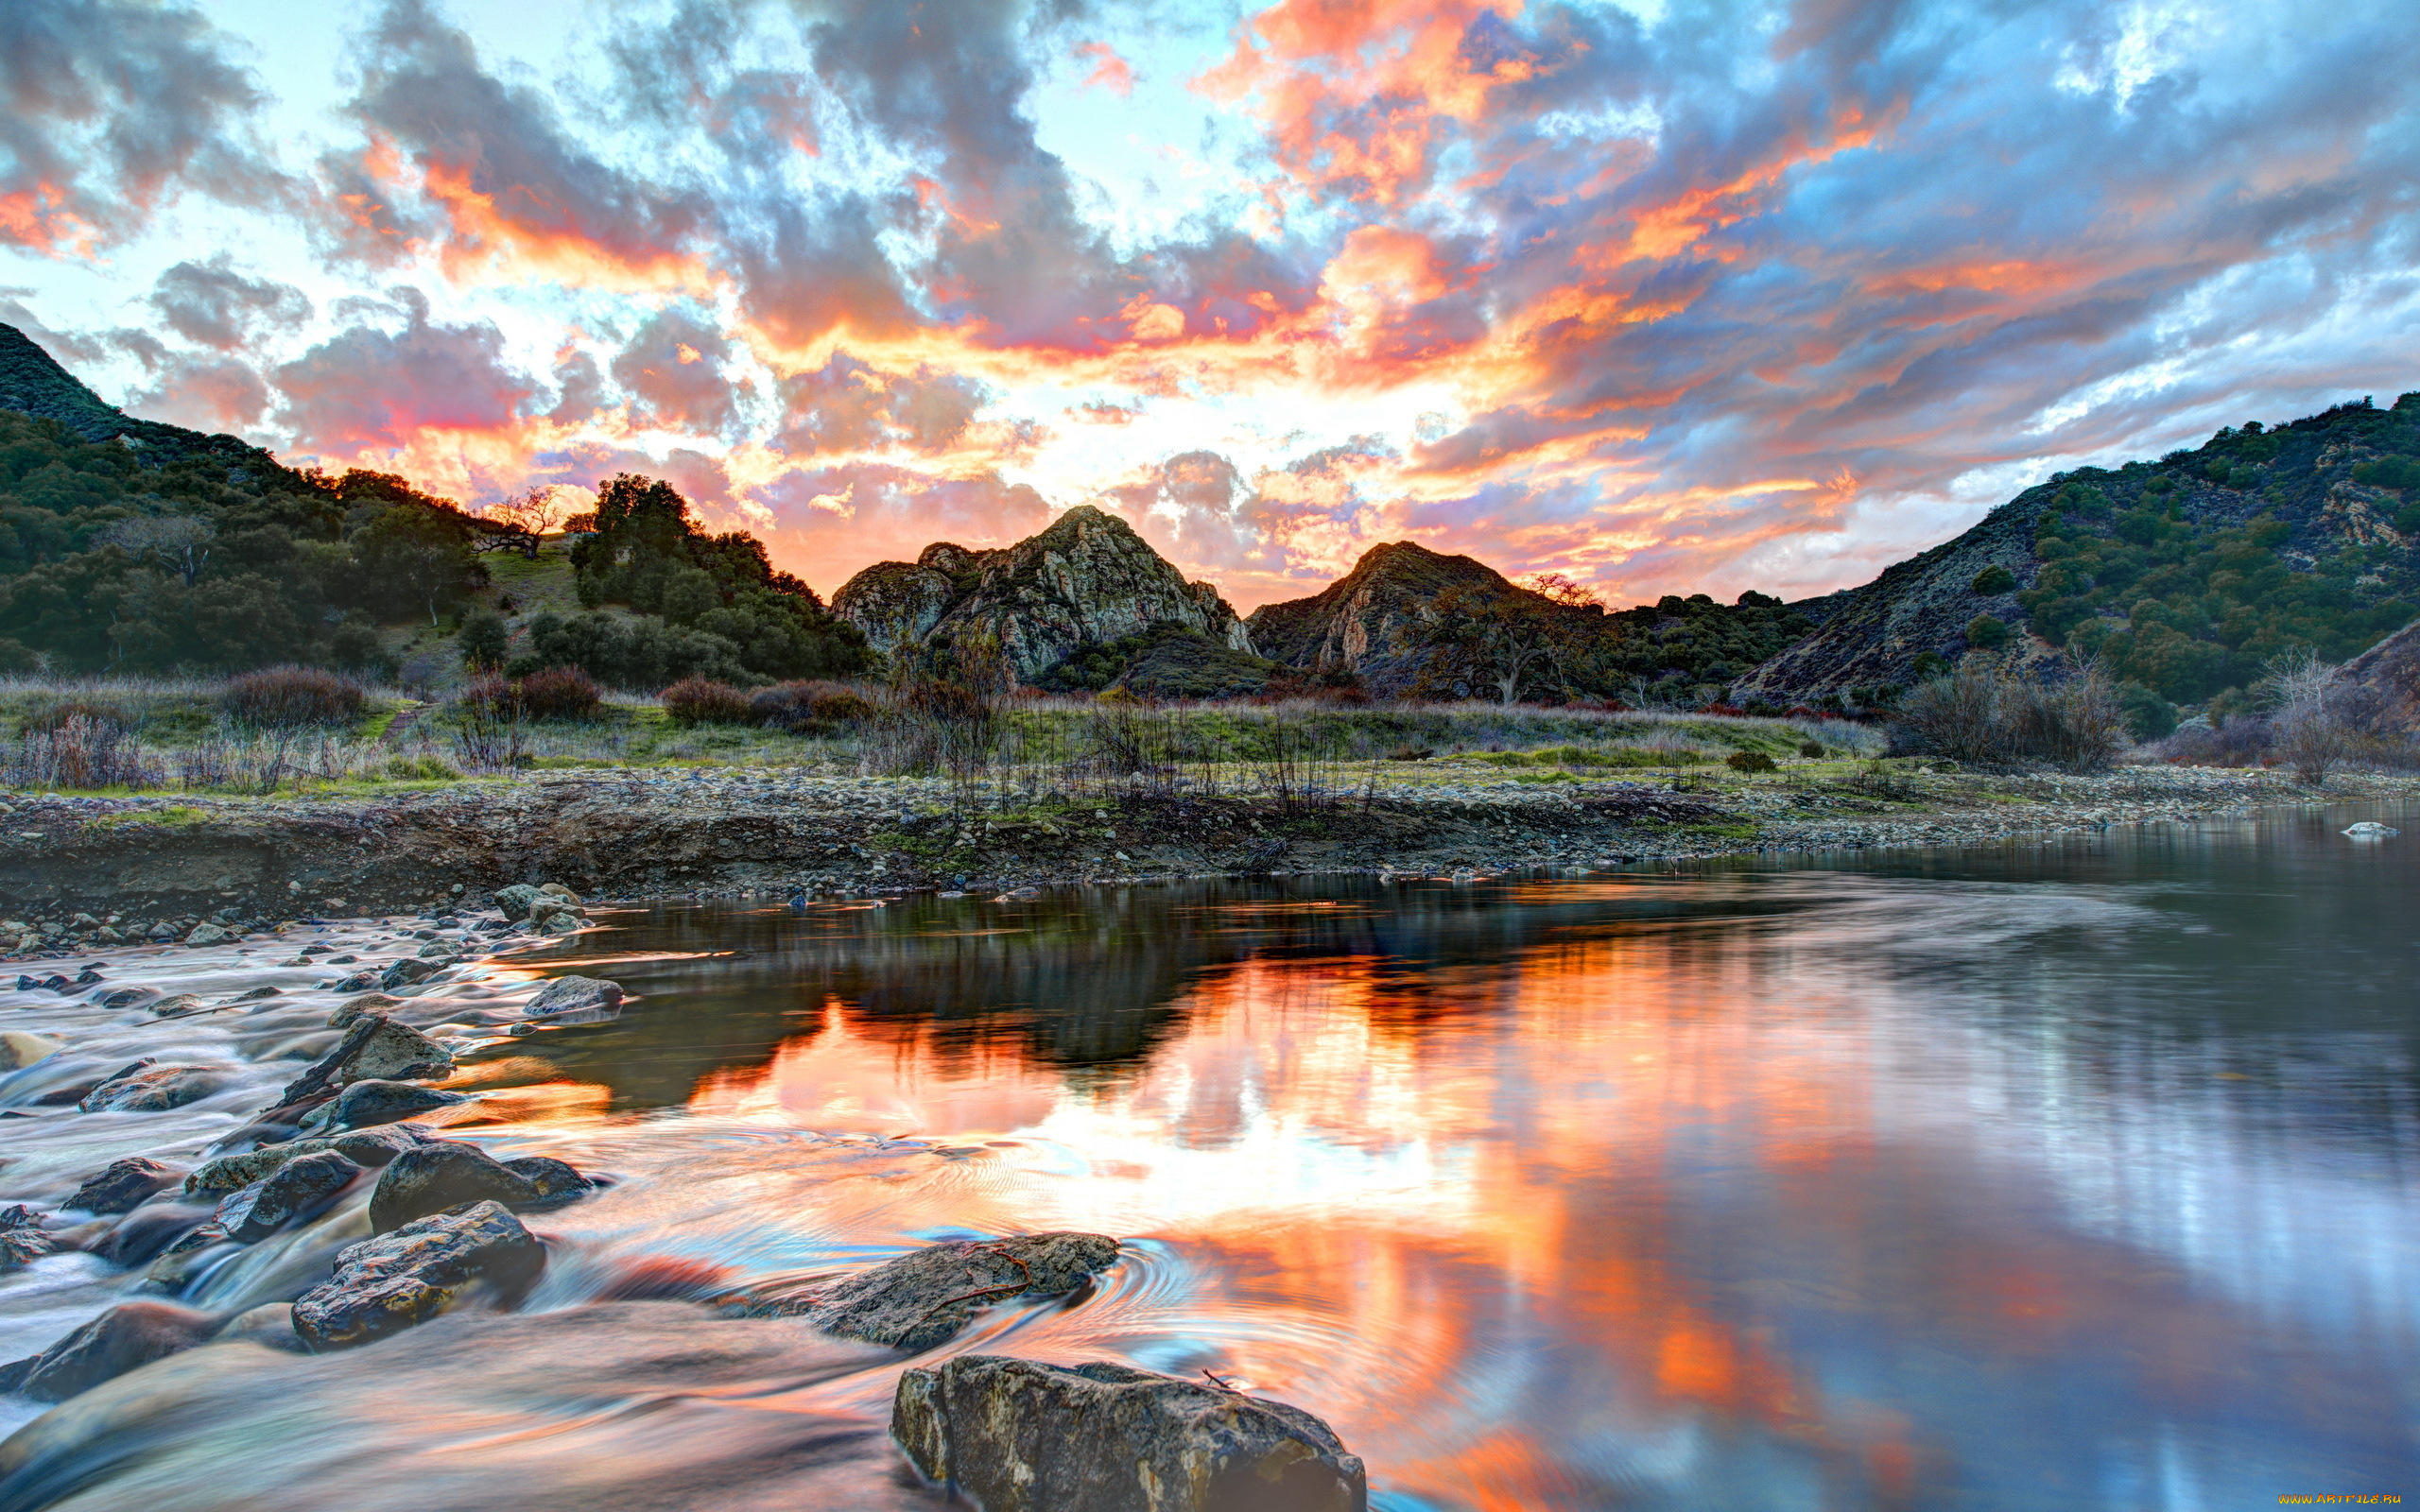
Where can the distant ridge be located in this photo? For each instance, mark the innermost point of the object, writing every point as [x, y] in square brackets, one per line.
[1375, 621]
[32, 383]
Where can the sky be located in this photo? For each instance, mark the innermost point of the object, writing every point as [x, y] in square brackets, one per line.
[1667, 297]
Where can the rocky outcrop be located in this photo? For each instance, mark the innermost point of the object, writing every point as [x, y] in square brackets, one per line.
[421, 1270]
[924, 1297]
[1088, 579]
[2381, 686]
[1376, 619]
[1018, 1435]
[128, 1336]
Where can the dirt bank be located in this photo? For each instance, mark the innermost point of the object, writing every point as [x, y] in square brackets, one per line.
[161, 864]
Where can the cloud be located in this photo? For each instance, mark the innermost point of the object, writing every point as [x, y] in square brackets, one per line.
[210, 303]
[673, 372]
[367, 388]
[203, 392]
[109, 108]
[846, 405]
[829, 521]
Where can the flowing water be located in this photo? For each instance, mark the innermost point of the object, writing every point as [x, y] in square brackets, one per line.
[2078, 1174]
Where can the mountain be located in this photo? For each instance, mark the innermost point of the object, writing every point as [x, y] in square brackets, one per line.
[32, 383]
[2185, 576]
[1376, 621]
[1087, 581]
[1387, 622]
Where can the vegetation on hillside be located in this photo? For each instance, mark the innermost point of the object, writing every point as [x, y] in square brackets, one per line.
[2189, 577]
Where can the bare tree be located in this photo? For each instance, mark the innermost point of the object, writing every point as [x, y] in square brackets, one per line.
[515, 524]
[2305, 694]
[181, 540]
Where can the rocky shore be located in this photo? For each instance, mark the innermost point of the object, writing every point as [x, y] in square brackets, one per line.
[76, 873]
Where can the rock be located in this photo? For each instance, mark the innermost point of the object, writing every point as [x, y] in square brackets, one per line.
[562, 922]
[420, 1270]
[1087, 577]
[921, 1298]
[357, 982]
[256, 995]
[301, 1188]
[442, 951]
[123, 1186]
[377, 1002]
[406, 972]
[178, 1006]
[20, 1048]
[2370, 829]
[364, 1103]
[210, 935]
[367, 1148]
[127, 997]
[148, 1230]
[439, 1175]
[396, 1052]
[22, 1241]
[126, 1336]
[155, 1090]
[270, 1325]
[575, 994]
[515, 901]
[556, 1181]
[556, 889]
[1018, 1435]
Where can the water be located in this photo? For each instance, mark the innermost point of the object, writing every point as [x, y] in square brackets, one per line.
[2081, 1174]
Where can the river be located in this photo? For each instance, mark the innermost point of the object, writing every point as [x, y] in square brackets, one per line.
[2066, 1175]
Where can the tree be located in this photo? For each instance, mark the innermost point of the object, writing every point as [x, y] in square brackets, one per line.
[484, 639]
[412, 555]
[179, 541]
[2311, 731]
[517, 523]
[1483, 638]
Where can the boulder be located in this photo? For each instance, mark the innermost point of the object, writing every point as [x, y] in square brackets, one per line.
[1018, 1435]
[515, 902]
[270, 1325]
[123, 1186]
[301, 1187]
[22, 1240]
[442, 951]
[210, 935]
[557, 1181]
[20, 1048]
[422, 1269]
[357, 982]
[353, 1009]
[127, 997]
[373, 1049]
[126, 1336]
[921, 1298]
[365, 1104]
[576, 994]
[557, 919]
[176, 1005]
[556, 889]
[366, 1148]
[406, 972]
[155, 1090]
[439, 1175]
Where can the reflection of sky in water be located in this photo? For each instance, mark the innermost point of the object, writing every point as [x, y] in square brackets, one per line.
[2072, 1176]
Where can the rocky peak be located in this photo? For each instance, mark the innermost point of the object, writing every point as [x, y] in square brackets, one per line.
[1376, 620]
[1086, 579]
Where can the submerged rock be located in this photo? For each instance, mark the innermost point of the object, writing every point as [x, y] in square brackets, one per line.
[924, 1296]
[155, 1090]
[366, 1104]
[21, 1048]
[270, 1325]
[22, 1240]
[1018, 1435]
[443, 1174]
[576, 994]
[124, 1185]
[128, 1336]
[556, 1181]
[424, 1268]
[298, 1189]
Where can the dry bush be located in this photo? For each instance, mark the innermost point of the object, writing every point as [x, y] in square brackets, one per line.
[810, 708]
[704, 701]
[54, 717]
[291, 698]
[559, 692]
[82, 752]
[2312, 735]
[1984, 714]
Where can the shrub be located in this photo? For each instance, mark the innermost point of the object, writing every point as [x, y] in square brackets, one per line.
[420, 768]
[1812, 749]
[1986, 633]
[810, 708]
[54, 718]
[1984, 712]
[704, 701]
[292, 698]
[559, 693]
[1994, 581]
[484, 641]
[1749, 761]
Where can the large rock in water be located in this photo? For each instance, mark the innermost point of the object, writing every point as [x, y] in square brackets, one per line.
[123, 1186]
[156, 1090]
[366, 1104]
[128, 1336]
[1017, 1436]
[421, 1270]
[298, 1189]
[369, 1147]
[1086, 578]
[443, 1174]
[924, 1296]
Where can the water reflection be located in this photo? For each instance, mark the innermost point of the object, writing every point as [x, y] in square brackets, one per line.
[2077, 1175]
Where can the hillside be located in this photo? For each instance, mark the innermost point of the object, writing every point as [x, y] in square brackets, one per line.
[32, 383]
[1087, 581]
[2185, 576]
